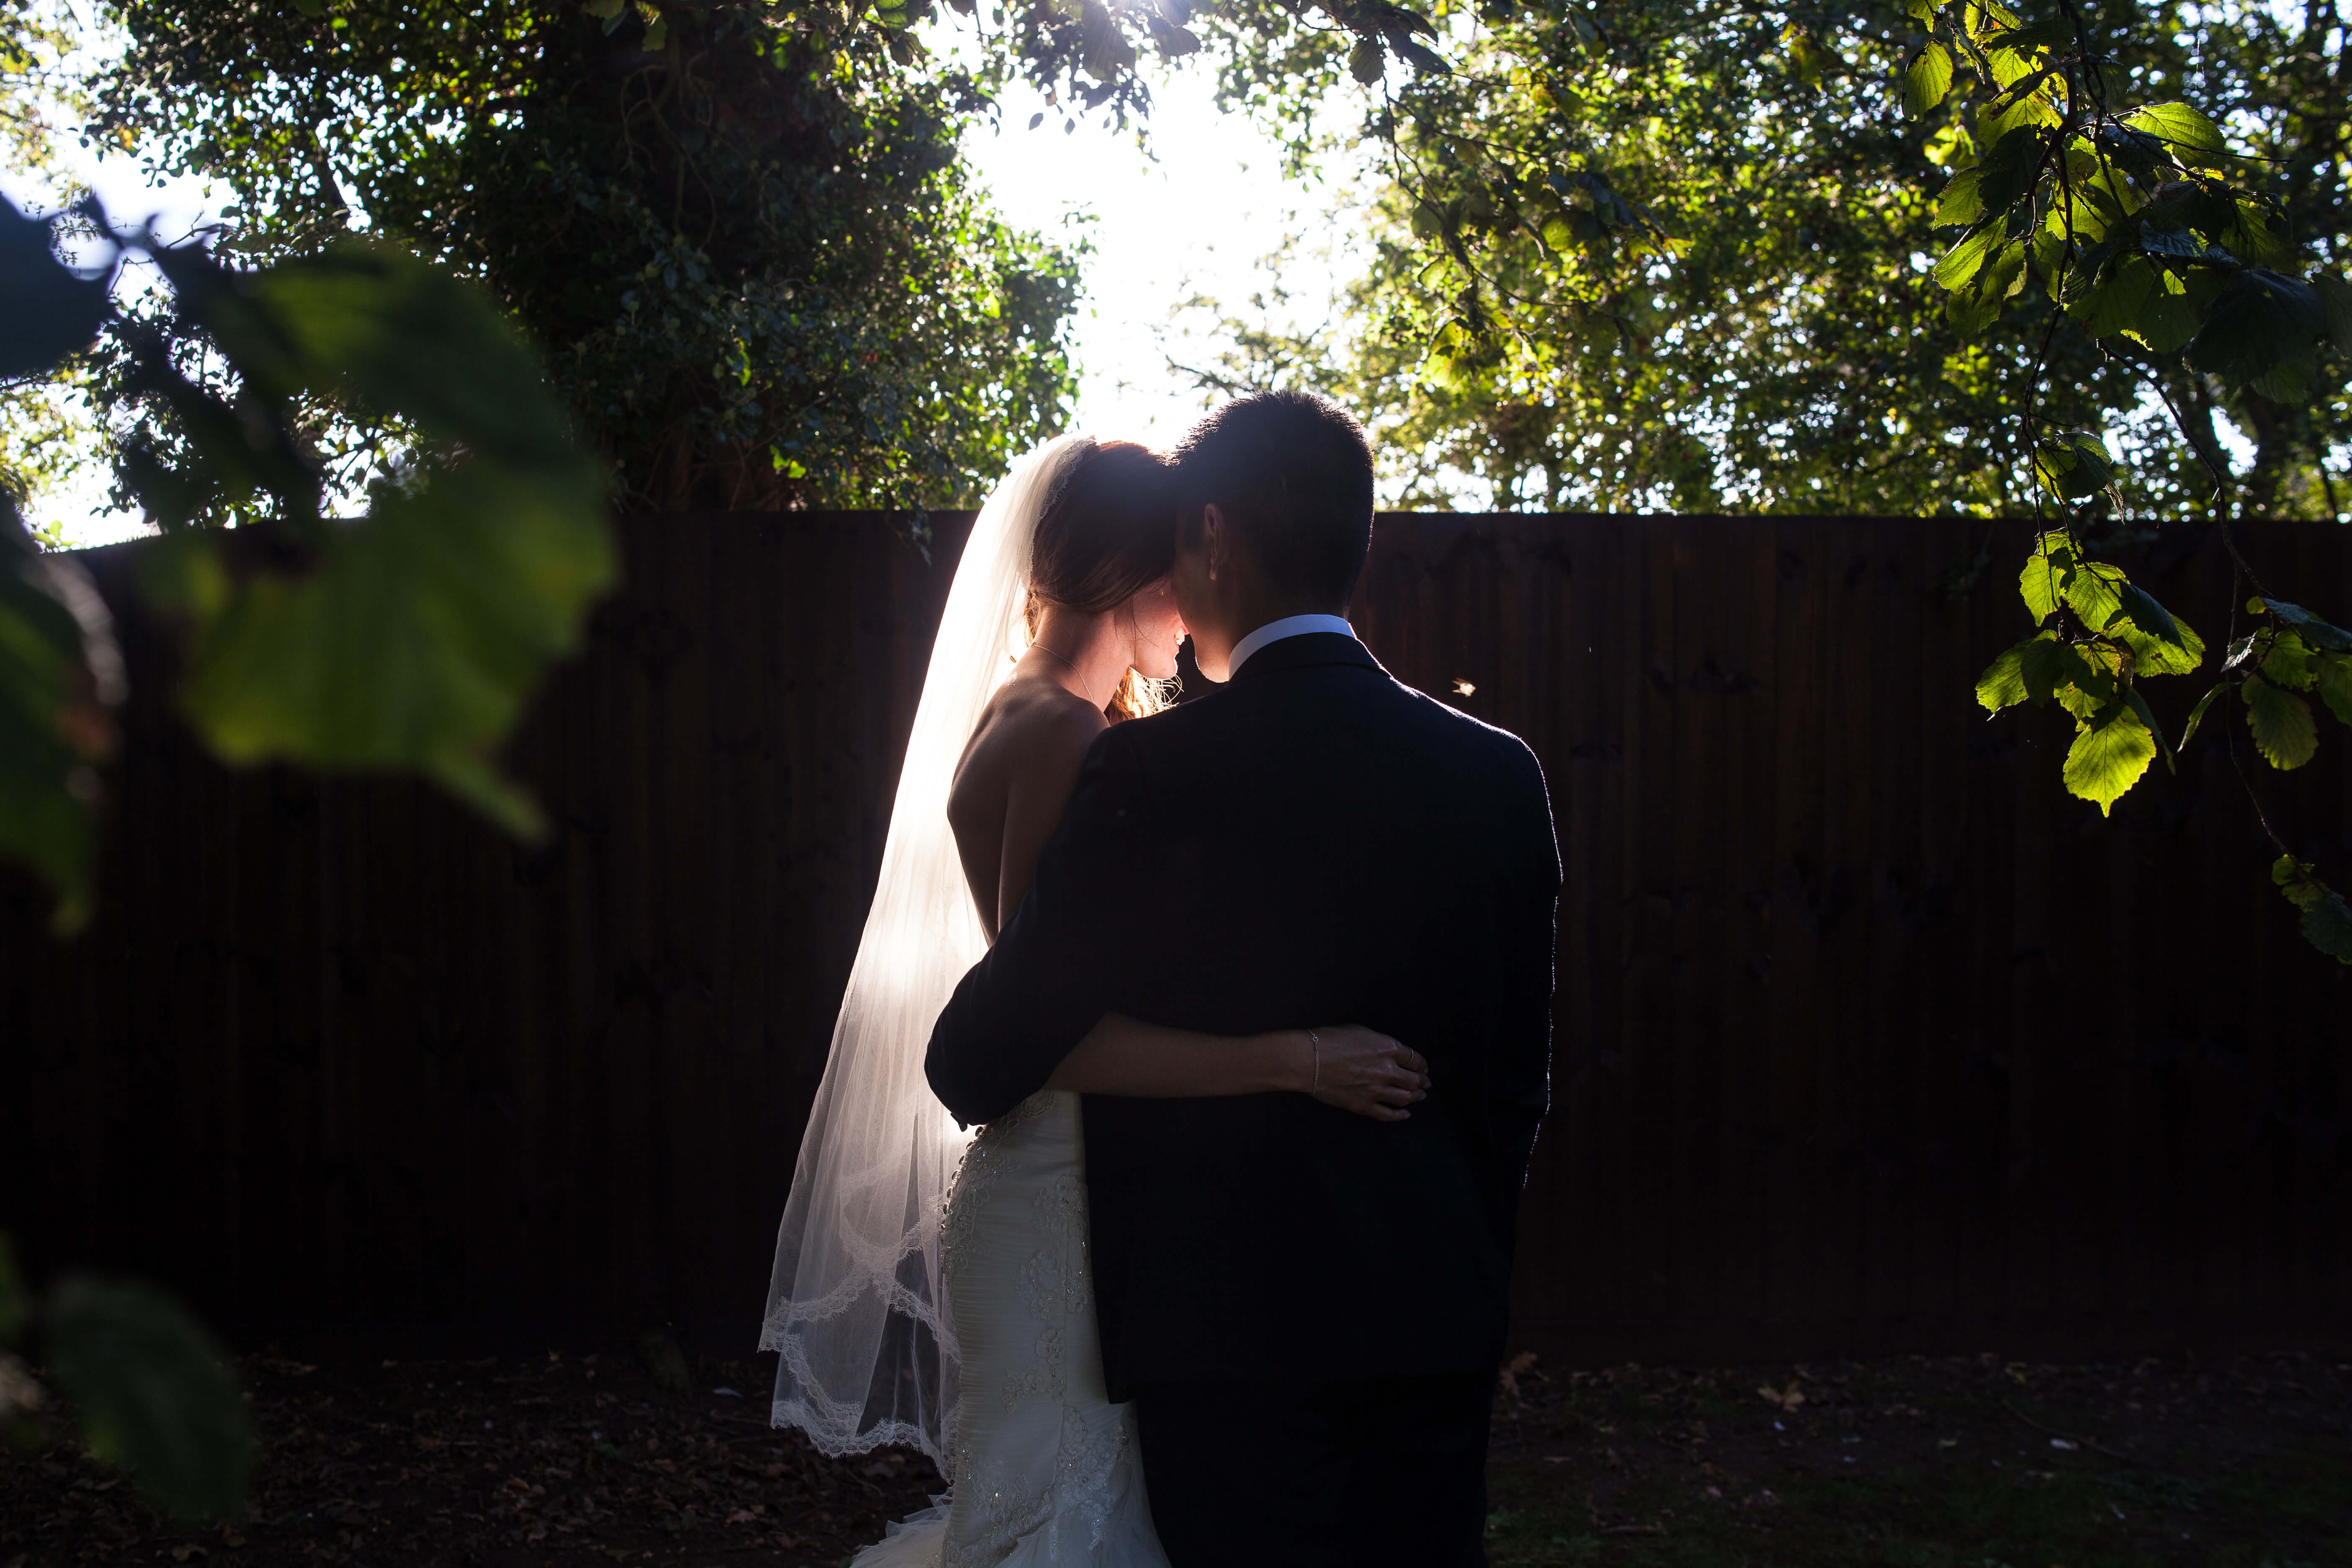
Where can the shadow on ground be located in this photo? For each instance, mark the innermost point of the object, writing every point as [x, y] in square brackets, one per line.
[567, 1460]
[1920, 1463]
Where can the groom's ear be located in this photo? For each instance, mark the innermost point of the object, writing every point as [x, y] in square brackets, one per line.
[1216, 541]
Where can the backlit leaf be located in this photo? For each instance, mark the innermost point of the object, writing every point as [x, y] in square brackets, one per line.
[1961, 205]
[2002, 685]
[2334, 673]
[2109, 756]
[414, 642]
[1927, 81]
[2155, 655]
[1960, 265]
[2148, 717]
[2094, 592]
[2197, 715]
[153, 1394]
[2287, 663]
[2145, 613]
[60, 675]
[2167, 320]
[2117, 301]
[2280, 722]
[2043, 582]
[2048, 667]
[2189, 136]
[2074, 467]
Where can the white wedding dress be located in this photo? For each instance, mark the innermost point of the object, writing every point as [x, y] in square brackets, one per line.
[1046, 1473]
[932, 1288]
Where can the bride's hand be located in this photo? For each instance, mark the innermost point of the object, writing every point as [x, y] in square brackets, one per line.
[1364, 1071]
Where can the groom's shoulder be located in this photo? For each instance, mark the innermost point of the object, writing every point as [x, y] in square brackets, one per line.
[1463, 732]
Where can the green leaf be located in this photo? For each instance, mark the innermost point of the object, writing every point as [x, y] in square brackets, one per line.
[2144, 612]
[2326, 918]
[2155, 655]
[2334, 673]
[2197, 714]
[2139, 706]
[2310, 628]
[2263, 327]
[1962, 202]
[2049, 666]
[1368, 62]
[2005, 174]
[2191, 138]
[1960, 265]
[2117, 301]
[153, 1394]
[2094, 592]
[2002, 685]
[426, 624]
[2280, 722]
[60, 675]
[2109, 755]
[2168, 320]
[2086, 682]
[1928, 79]
[2286, 663]
[603, 10]
[2043, 582]
[2074, 467]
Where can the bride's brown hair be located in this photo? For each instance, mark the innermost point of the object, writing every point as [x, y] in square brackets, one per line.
[1107, 533]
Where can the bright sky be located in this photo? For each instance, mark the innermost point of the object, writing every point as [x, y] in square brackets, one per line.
[1200, 215]
[1205, 214]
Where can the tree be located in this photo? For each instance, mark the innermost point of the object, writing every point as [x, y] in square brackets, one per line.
[741, 234]
[1939, 256]
[40, 435]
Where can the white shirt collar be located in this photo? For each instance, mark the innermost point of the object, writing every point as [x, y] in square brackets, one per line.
[1275, 631]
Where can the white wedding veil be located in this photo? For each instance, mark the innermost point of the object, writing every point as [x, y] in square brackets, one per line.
[868, 1355]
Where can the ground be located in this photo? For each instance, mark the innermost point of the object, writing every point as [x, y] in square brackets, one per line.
[564, 1460]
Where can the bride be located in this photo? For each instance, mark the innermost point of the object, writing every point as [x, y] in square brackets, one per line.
[931, 1288]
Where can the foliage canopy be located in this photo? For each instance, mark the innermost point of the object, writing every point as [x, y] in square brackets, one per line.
[744, 241]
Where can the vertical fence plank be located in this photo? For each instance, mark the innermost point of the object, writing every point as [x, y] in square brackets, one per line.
[1867, 1033]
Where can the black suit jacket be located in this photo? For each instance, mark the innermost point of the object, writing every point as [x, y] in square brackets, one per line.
[1314, 843]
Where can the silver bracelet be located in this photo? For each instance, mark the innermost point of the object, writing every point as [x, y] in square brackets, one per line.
[1316, 1041]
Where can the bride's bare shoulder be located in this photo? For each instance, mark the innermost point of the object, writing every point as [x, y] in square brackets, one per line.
[1032, 729]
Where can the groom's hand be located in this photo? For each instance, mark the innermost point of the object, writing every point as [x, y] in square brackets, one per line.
[1365, 1072]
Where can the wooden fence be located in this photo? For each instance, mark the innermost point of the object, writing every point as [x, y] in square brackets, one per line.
[1867, 1037]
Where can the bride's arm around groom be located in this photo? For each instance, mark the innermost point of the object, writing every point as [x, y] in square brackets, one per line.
[1307, 1306]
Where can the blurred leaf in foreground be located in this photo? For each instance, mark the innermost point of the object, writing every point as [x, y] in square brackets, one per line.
[154, 1394]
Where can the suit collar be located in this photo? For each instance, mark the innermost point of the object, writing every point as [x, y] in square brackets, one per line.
[1305, 651]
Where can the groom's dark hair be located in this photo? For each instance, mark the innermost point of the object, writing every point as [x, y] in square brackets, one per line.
[1293, 473]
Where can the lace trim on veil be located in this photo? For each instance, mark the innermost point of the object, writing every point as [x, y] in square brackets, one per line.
[857, 1309]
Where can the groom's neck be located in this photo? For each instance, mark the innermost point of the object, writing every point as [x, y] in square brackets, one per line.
[1254, 610]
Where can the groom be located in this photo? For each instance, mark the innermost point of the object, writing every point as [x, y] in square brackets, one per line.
[1307, 1306]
